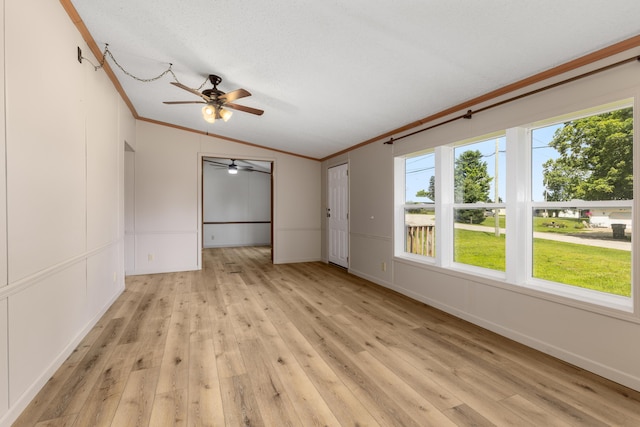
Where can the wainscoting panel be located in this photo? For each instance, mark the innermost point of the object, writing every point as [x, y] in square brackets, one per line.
[44, 318]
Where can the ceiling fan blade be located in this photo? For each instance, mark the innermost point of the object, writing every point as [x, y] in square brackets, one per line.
[183, 102]
[245, 109]
[216, 163]
[233, 95]
[193, 91]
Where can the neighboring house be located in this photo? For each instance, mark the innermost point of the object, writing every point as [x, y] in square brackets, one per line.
[605, 217]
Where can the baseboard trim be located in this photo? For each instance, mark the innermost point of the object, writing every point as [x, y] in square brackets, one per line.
[373, 279]
[162, 270]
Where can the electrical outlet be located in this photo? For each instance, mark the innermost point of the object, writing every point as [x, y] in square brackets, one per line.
[213, 237]
[383, 266]
[150, 257]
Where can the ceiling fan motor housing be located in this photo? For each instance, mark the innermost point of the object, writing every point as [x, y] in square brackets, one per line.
[212, 93]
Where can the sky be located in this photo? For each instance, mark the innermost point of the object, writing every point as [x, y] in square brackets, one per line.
[420, 169]
[541, 152]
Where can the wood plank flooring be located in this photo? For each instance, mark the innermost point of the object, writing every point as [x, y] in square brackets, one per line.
[247, 343]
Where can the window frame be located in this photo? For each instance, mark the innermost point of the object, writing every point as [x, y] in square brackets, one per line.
[519, 207]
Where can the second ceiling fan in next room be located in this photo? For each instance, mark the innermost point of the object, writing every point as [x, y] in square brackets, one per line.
[233, 167]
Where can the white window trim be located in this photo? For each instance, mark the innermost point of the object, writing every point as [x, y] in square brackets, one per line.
[444, 201]
[518, 193]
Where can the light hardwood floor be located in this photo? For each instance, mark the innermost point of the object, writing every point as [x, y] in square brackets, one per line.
[248, 343]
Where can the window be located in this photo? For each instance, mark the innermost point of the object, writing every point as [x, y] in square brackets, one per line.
[419, 211]
[564, 186]
[479, 202]
[582, 197]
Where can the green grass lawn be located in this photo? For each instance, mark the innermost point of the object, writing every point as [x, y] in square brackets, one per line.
[491, 222]
[601, 269]
[479, 248]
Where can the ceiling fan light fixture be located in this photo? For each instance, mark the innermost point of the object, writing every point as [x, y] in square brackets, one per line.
[225, 114]
[209, 113]
[233, 169]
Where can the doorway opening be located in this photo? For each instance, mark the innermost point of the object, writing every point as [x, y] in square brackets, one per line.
[237, 203]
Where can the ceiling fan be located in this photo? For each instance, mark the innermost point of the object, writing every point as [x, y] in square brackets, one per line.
[216, 102]
[233, 168]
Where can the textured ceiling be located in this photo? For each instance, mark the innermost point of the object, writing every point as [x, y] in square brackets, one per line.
[331, 74]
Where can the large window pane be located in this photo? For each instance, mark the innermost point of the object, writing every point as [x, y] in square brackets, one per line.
[419, 211]
[479, 179]
[420, 179]
[589, 159]
[589, 248]
[481, 244]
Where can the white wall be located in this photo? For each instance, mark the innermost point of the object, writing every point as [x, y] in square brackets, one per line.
[297, 214]
[245, 196]
[597, 340]
[4, 312]
[63, 197]
[168, 168]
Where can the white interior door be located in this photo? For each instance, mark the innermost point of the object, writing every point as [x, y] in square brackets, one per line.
[338, 215]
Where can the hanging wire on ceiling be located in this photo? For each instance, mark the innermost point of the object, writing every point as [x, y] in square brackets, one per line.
[108, 53]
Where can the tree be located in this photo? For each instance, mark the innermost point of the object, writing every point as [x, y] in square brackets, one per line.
[431, 191]
[595, 159]
[471, 185]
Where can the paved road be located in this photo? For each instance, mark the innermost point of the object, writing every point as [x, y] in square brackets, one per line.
[586, 240]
